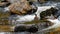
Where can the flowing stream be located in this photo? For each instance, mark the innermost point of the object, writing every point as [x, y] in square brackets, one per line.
[49, 3]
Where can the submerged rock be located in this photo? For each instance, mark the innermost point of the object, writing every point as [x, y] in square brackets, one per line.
[32, 29]
[28, 28]
[19, 29]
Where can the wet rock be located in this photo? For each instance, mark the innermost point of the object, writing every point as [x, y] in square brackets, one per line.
[25, 28]
[48, 12]
[32, 29]
[4, 3]
[13, 1]
[20, 29]
[33, 0]
[42, 1]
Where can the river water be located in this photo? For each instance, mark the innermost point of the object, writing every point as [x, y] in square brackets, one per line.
[49, 3]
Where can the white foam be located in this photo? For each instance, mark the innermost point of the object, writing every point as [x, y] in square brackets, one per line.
[25, 18]
[6, 9]
[56, 24]
[2, 33]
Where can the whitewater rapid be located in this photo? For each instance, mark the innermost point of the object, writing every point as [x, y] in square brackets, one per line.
[27, 18]
[55, 25]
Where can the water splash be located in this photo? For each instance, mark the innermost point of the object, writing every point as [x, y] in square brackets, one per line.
[55, 25]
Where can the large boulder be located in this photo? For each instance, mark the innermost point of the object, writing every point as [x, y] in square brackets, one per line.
[21, 7]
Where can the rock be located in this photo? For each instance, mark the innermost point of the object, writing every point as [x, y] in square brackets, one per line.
[41, 1]
[32, 29]
[13, 1]
[33, 0]
[21, 7]
[19, 29]
[3, 0]
[48, 12]
[4, 3]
